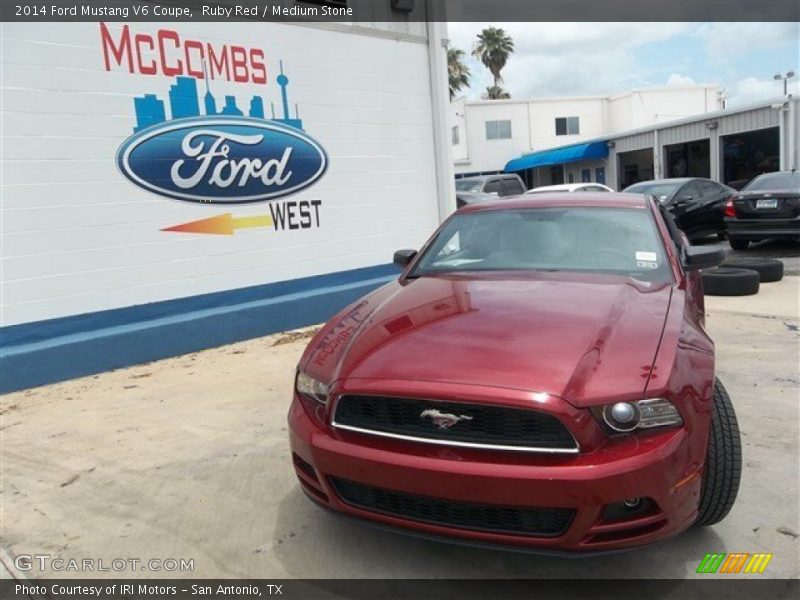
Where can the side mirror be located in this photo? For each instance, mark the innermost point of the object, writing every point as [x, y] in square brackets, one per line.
[698, 257]
[402, 258]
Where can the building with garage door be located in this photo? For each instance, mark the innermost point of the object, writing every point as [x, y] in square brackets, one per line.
[172, 187]
[730, 146]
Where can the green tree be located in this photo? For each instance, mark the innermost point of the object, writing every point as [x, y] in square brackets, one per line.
[457, 72]
[493, 48]
[495, 92]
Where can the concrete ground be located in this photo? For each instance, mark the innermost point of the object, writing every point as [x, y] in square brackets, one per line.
[188, 458]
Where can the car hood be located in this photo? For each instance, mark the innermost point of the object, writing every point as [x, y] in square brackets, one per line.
[585, 338]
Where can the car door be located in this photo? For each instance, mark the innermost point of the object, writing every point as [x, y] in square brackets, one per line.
[713, 197]
[684, 206]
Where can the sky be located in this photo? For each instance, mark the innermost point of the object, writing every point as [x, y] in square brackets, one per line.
[574, 59]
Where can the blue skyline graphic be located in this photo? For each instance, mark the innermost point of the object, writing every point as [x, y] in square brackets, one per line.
[184, 102]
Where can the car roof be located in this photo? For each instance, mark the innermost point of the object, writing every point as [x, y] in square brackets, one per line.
[787, 172]
[558, 187]
[485, 177]
[562, 199]
[668, 180]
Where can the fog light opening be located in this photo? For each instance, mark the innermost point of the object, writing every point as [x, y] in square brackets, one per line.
[622, 416]
[632, 502]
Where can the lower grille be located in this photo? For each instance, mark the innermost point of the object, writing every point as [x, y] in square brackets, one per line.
[543, 522]
[477, 425]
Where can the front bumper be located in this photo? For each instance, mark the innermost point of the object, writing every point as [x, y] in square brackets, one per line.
[759, 229]
[658, 466]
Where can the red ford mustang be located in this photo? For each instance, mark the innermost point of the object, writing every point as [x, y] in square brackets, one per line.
[539, 376]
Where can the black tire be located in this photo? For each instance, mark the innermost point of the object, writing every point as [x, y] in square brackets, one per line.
[723, 469]
[768, 269]
[739, 244]
[723, 281]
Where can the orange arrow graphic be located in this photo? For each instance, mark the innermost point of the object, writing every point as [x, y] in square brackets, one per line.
[222, 224]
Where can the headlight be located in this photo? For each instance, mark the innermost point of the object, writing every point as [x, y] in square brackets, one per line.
[644, 414]
[308, 386]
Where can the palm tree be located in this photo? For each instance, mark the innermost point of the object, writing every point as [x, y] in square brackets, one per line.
[493, 48]
[457, 72]
[495, 92]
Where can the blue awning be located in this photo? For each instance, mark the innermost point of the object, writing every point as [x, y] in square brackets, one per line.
[558, 156]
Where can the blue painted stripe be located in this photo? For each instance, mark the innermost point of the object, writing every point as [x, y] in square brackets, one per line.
[43, 352]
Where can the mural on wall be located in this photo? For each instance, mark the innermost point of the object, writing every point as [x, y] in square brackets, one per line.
[209, 150]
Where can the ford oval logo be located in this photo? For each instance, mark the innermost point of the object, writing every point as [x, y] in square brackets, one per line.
[223, 160]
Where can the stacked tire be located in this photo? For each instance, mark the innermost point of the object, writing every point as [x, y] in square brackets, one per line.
[741, 276]
[768, 269]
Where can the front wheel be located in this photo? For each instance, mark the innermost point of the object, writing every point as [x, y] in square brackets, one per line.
[723, 468]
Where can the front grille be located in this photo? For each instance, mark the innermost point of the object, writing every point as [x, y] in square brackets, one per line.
[544, 522]
[483, 425]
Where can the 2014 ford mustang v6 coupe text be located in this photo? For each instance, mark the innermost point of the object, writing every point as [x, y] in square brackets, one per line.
[539, 376]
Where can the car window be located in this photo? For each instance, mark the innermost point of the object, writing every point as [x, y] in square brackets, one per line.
[512, 186]
[468, 185]
[594, 188]
[620, 241]
[708, 188]
[493, 186]
[690, 192]
[660, 190]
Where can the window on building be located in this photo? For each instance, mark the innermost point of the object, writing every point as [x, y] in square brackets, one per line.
[568, 126]
[600, 175]
[498, 130]
[586, 175]
[571, 177]
[454, 135]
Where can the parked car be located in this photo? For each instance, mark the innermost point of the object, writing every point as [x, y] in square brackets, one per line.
[538, 376]
[768, 207]
[571, 187]
[696, 204]
[507, 184]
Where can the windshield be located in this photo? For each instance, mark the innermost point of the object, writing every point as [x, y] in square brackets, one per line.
[468, 185]
[607, 240]
[775, 181]
[659, 190]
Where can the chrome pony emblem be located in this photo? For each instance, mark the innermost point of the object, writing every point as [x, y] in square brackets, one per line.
[443, 420]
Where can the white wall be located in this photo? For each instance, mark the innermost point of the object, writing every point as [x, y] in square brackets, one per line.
[590, 111]
[642, 108]
[458, 119]
[78, 237]
[489, 155]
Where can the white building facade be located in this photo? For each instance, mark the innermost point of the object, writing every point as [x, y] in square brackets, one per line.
[486, 134]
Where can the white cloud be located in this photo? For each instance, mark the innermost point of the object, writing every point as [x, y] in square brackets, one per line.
[678, 80]
[724, 41]
[751, 89]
